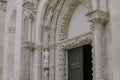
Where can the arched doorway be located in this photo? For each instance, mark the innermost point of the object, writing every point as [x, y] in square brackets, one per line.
[74, 33]
[80, 63]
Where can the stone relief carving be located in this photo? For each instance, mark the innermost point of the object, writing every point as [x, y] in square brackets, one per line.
[76, 41]
[61, 52]
[62, 27]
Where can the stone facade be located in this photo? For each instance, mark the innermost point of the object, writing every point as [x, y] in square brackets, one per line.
[38, 33]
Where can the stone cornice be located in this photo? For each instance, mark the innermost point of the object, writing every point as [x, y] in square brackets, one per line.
[28, 45]
[76, 41]
[98, 16]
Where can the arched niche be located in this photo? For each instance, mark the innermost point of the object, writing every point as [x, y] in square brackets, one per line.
[11, 44]
[79, 22]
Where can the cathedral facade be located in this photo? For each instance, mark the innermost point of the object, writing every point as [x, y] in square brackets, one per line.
[60, 39]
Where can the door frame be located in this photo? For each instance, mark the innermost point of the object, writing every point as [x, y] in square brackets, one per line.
[64, 45]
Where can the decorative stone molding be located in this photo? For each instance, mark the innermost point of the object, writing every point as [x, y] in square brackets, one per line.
[76, 41]
[28, 45]
[61, 49]
[65, 15]
[66, 11]
[60, 66]
[29, 10]
[28, 4]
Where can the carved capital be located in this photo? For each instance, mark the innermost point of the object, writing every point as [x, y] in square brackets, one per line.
[98, 17]
[28, 45]
[38, 46]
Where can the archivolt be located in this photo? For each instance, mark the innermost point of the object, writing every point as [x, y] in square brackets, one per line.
[65, 15]
[62, 11]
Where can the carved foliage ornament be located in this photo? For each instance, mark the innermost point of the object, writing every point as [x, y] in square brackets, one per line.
[76, 41]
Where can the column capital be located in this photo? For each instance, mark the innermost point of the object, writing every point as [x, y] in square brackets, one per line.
[38, 47]
[28, 45]
[98, 17]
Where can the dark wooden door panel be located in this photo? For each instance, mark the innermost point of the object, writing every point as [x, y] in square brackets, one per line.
[80, 63]
[75, 64]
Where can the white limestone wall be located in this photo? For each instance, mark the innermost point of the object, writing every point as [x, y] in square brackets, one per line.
[2, 22]
[9, 41]
[79, 22]
[115, 28]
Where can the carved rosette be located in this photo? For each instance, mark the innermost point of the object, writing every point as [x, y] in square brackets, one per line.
[98, 19]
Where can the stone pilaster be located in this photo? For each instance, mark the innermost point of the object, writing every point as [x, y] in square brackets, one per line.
[98, 20]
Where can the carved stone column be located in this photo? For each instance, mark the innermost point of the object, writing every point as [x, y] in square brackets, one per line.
[98, 19]
[60, 63]
[28, 57]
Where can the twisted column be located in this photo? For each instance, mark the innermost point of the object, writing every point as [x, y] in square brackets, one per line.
[98, 19]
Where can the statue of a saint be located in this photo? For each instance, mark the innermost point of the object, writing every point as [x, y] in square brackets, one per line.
[46, 58]
[46, 74]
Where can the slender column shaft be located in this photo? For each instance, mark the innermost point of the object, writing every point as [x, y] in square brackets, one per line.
[95, 4]
[98, 42]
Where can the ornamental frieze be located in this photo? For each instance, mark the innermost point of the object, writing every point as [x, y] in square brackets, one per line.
[76, 41]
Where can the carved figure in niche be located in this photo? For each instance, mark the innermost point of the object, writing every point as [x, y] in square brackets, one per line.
[46, 74]
[49, 16]
[46, 58]
[46, 38]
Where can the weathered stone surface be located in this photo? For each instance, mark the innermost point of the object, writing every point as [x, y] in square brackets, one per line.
[37, 34]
